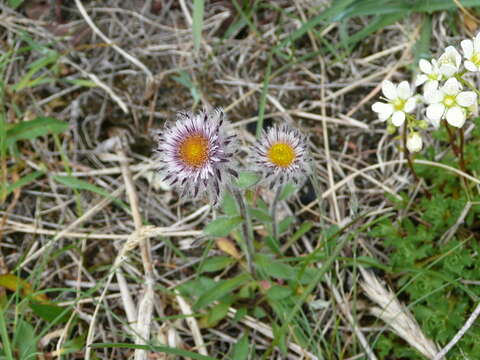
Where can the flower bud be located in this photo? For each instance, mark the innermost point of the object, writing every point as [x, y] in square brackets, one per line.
[414, 142]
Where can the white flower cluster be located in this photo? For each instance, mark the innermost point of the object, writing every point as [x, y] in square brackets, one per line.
[443, 82]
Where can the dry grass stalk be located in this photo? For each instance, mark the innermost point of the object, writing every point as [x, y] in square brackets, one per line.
[397, 316]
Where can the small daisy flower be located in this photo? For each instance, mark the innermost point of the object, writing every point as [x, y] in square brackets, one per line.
[450, 102]
[450, 62]
[400, 101]
[281, 154]
[471, 52]
[431, 75]
[196, 153]
[414, 142]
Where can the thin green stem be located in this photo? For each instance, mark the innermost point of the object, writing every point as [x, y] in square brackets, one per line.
[246, 229]
[469, 85]
[7, 350]
[273, 212]
[451, 139]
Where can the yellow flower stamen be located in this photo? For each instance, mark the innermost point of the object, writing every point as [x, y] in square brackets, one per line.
[476, 59]
[194, 150]
[449, 101]
[281, 154]
[398, 104]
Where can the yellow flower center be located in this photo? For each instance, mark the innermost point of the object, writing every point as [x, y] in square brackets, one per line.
[398, 104]
[433, 76]
[194, 150]
[281, 154]
[449, 101]
[476, 59]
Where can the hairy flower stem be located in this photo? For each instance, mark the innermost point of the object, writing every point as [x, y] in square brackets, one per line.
[451, 139]
[247, 230]
[273, 212]
[457, 150]
[407, 154]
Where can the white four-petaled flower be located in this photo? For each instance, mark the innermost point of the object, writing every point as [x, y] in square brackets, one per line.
[471, 52]
[399, 102]
[449, 102]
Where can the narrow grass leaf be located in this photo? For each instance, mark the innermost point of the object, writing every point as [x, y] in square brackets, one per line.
[197, 24]
[422, 46]
[332, 12]
[78, 184]
[376, 24]
[23, 181]
[157, 348]
[27, 130]
[221, 289]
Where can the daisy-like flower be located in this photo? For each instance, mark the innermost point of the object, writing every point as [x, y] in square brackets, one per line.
[414, 142]
[450, 102]
[431, 74]
[196, 153]
[281, 154]
[450, 62]
[471, 52]
[400, 101]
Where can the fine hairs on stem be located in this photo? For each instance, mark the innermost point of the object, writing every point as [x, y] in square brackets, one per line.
[273, 211]
[247, 230]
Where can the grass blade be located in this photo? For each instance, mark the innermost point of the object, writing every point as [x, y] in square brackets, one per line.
[197, 24]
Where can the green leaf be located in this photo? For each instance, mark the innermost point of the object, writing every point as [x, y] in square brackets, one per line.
[27, 130]
[217, 313]
[240, 349]
[221, 289]
[50, 312]
[260, 215]
[78, 184]
[216, 263]
[14, 4]
[184, 79]
[229, 205]
[247, 179]
[222, 226]
[285, 224]
[422, 46]
[277, 292]
[287, 190]
[35, 67]
[23, 181]
[25, 340]
[275, 269]
[157, 348]
[197, 23]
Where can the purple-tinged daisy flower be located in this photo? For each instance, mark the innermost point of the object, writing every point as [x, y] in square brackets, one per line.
[196, 153]
[281, 154]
